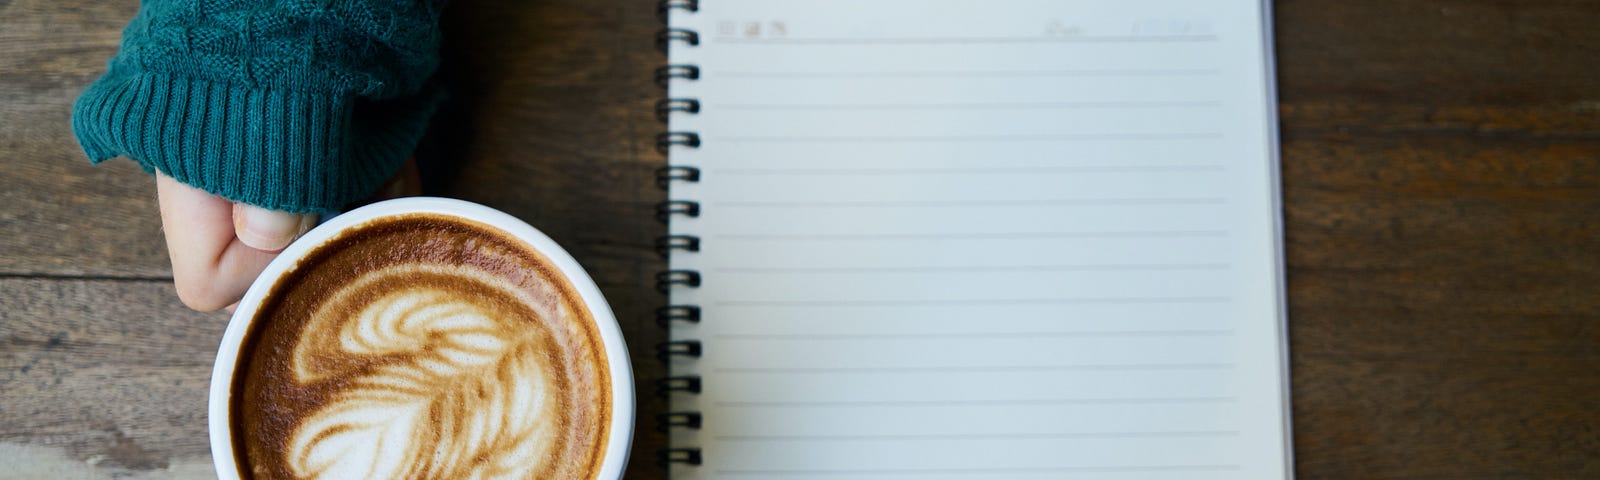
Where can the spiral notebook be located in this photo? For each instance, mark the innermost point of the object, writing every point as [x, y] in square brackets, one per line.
[962, 239]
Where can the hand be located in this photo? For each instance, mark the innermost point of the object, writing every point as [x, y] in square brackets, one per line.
[219, 247]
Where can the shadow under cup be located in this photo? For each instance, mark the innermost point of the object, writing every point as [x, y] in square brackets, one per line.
[422, 338]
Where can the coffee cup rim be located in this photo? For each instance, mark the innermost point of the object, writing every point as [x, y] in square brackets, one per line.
[620, 436]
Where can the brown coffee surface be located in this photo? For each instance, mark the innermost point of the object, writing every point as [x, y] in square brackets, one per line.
[421, 346]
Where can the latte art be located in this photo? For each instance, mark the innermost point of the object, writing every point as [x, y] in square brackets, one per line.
[422, 348]
[464, 386]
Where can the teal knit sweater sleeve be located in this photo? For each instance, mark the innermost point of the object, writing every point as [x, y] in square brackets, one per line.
[298, 105]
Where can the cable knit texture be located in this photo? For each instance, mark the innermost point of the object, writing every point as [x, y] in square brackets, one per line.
[298, 105]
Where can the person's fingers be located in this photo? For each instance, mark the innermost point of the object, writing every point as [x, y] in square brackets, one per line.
[211, 268]
[268, 230]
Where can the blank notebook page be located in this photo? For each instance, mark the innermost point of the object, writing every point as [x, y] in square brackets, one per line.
[998, 239]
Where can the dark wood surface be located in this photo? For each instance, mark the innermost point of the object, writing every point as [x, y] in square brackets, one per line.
[1441, 179]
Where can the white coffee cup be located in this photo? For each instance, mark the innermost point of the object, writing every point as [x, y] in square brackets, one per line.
[621, 373]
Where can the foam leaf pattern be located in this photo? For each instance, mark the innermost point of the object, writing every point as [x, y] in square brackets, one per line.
[455, 395]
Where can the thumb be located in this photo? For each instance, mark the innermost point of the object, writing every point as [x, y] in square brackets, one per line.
[269, 230]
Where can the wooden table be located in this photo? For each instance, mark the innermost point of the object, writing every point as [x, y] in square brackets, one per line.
[1441, 178]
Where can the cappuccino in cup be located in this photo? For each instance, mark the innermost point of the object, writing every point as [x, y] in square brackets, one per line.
[422, 338]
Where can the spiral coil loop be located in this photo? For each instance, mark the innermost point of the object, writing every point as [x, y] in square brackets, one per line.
[665, 210]
[666, 36]
[665, 6]
[666, 175]
[665, 280]
[677, 313]
[667, 106]
[668, 245]
[666, 73]
[684, 384]
[683, 348]
[688, 456]
[688, 243]
[665, 140]
[689, 420]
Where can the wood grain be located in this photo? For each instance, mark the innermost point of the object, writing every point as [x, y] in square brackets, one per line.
[112, 373]
[58, 214]
[1441, 179]
[1482, 53]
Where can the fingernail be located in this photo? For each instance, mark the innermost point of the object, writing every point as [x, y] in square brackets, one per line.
[268, 230]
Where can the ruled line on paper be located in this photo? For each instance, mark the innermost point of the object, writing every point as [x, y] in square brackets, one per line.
[972, 203]
[964, 170]
[971, 301]
[968, 235]
[970, 335]
[987, 369]
[1129, 72]
[983, 471]
[964, 403]
[976, 268]
[961, 106]
[977, 436]
[969, 138]
[968, 40]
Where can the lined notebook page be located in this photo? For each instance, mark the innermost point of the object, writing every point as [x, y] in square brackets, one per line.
[981, 239]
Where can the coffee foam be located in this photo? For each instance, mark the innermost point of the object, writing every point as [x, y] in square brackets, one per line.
[495, 404]
[462, 355]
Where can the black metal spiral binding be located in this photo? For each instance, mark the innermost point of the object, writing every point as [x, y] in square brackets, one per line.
[666, 36]
[665, 210]
[666, 73]
[687, 456]
[684, 384]
[688, 243]
[665, 280]
[681, 348]
[677, 313]
[666, 140]
[665, 6]
[677, 244]
[667, 106]
[668, 174]
[689, 420]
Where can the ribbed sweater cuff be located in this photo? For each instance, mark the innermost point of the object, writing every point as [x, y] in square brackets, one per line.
[275, 148]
